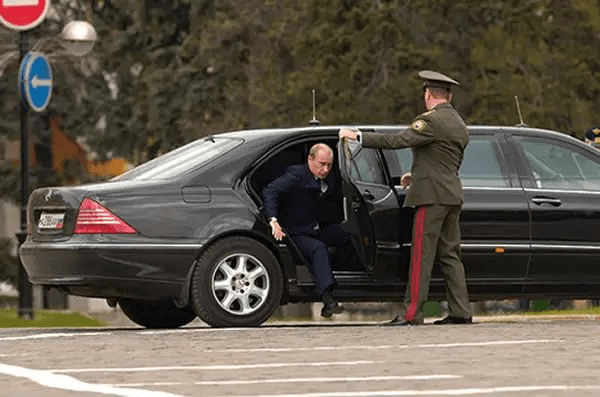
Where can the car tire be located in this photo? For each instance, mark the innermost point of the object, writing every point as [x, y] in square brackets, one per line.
[156, 314]
[237, 282]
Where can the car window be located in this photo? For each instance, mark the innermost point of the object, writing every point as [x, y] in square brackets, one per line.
[366, 168]
[399, 161]
[481, 165]
[181, 160]
[557, 166]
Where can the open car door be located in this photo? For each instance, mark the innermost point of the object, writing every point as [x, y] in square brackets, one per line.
[356, 215]
[372, 210]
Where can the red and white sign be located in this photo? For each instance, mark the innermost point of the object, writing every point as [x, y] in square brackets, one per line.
[23, 14]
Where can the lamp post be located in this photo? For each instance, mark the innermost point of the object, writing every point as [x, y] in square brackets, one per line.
[78, 38]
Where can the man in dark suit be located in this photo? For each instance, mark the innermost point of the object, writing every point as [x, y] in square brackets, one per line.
[438, 138]
[299, 203]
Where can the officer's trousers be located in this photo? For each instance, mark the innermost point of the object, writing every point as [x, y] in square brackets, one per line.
[436, 239]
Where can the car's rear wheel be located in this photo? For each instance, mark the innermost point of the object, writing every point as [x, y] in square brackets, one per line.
[156, 314]
[237, 282]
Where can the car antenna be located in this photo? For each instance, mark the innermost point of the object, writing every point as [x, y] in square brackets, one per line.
[314, 121]
[521, 122]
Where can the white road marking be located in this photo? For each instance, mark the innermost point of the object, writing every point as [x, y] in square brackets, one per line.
[490, 343]
[187, 330]
[214, 367]
[438, 392]
[149, 384]
[297, 380]
[125, 330]
[65, 382]
[53, 335]
[345, 379]
[387, 347]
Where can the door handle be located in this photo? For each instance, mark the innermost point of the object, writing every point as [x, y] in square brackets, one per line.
[367, 195]
[547, 200]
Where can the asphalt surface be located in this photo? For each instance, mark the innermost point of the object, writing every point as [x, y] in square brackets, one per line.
[497, 356]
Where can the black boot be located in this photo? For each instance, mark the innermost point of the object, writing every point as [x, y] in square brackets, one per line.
[330, 305]
[398, 321]
[454, 320]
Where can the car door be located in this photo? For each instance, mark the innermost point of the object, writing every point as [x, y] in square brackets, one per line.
[495, 216]
[562, 182]
[371, 210]
[495, 224]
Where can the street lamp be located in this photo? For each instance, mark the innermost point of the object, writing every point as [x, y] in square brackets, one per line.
[78, 38]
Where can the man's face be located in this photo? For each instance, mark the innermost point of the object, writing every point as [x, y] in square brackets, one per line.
[320, 164]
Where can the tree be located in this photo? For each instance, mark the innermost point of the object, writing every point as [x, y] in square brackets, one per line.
[165, 72]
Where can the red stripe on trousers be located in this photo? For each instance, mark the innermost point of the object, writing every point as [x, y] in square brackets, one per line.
[415, 275]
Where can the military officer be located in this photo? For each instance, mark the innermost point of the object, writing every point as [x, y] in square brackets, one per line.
[592, 136]
[438, 138]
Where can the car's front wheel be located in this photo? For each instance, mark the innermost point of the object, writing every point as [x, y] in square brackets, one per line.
[156, 314]
[237, 282]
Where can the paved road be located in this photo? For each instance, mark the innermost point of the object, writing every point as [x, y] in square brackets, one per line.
[497, 357]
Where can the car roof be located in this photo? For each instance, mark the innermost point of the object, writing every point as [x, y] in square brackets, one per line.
[269, 133]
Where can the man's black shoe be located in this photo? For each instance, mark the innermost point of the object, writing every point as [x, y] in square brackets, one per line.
[454, 320]
[398, 321]
[331, 308]
[330, 305]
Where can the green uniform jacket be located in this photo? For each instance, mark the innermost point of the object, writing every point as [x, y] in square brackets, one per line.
[438, 138]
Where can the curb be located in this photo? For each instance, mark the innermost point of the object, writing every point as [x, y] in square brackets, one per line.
[537, 317]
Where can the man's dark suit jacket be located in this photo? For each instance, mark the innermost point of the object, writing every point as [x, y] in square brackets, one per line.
[295, 200]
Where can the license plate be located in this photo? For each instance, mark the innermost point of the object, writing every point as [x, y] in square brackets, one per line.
[51, 221]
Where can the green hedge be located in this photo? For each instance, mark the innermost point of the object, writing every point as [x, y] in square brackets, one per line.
[47, 318]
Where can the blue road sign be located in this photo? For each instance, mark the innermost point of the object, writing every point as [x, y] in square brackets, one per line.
[35, 77]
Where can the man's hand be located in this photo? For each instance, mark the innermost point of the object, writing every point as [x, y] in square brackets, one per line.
[346, 132]
[405, 180]
[276, 230]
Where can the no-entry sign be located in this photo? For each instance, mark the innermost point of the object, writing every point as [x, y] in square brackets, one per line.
[23, 14]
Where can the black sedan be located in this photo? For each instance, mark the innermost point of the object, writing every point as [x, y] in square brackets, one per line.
[183, 235]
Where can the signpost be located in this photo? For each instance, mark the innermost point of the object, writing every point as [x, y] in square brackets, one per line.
[35, 83]
[23, 14]
[35, 89]
[25, 308]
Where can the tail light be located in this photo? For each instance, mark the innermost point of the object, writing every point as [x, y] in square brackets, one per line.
[93, 218]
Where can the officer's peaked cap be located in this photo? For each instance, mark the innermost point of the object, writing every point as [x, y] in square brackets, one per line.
[436, 80]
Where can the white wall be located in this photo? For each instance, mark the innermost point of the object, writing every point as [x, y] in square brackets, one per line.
[10, 222]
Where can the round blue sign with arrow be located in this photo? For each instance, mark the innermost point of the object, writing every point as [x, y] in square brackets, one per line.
[35, 77]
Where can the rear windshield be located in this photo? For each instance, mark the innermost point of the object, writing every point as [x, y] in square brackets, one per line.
[181, 160]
